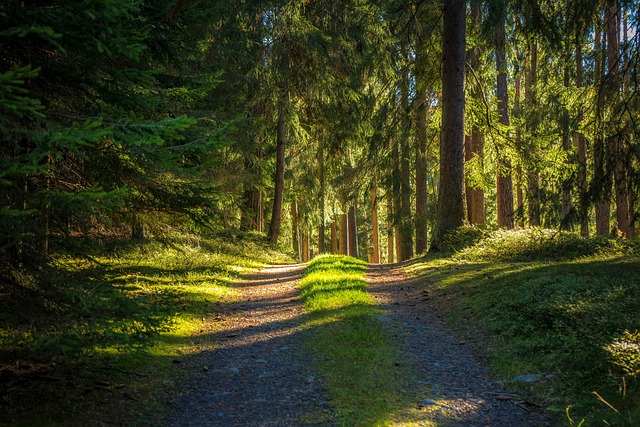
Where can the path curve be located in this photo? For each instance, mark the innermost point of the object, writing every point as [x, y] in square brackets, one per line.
[456, 390]
[258, 374]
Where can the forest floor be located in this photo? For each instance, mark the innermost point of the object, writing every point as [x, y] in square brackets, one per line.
[259, 373]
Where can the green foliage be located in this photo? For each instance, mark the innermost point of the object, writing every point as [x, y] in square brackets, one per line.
[103, 310]
[625, 353]
[533, 244]
[560, 305]
[463, 237]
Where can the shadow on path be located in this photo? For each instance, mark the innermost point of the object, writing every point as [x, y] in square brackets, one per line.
[257, 375]
[457, 388]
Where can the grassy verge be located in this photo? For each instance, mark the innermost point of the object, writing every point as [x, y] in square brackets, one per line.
[551, 304]
[350, 345]
[115, 326]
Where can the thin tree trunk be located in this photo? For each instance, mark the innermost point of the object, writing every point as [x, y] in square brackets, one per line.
[474, 147]
[305, 246]
[405, 226]
[519, 214]
[533, 177]
[321, 231]
[421, 156]
[601, 177]
[375, 238]
[295, 229]
[582, 152]
[334, 237]
[565, 222]
[503, 182]
[617, 145]
[344, 234]
[450, 210]
[276, 215]
[353, 232]
[390, 239]
[519, 197]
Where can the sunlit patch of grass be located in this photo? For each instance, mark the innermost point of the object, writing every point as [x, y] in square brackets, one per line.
[557, 317]
[179, 285]
[350, 346]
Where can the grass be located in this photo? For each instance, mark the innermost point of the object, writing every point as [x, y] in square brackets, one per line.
[351, 347]
[114, 321]
[551, 303]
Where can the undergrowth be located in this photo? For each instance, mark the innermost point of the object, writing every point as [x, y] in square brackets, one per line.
[552, 303]
[107, 322]
[350, 345]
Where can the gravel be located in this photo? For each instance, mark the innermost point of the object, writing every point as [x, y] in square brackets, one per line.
[259, 375]
[448, 382]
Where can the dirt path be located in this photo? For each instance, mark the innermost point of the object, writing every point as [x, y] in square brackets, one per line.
[455, 390]
[258, 375]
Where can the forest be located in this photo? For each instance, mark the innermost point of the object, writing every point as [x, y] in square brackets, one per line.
[134, 131]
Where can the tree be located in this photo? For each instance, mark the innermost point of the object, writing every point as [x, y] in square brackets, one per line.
[450, 211]
[503, 182]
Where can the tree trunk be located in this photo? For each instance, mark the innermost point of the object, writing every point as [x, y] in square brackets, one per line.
[533, 177]
[602, 180]
[565, 220]
[405, 226]
[276, 215]
[519, 213]
[474, 147]
[390, 239]
[334, 237]
[618, 145]
[353, 232]
[504, 184]
[582, 152]
[344, 234]
[519, 197]
[305, 246]
[421, 156]
[450, 210]
[295, 229]
[375, 238]
[321, 231]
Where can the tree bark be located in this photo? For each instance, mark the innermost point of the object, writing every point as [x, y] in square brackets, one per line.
[334, 237]
[321, 231]
[565, 223]
[503, 182]
[618, 145]
[390, 239]
[375, 238]
[295, 229]
[450, 209]
[519, 213]
[533, 177]
[305, 246]
[582, 152]
[353, 233]
[344, 234]
[276, 214]
[474, 144]
[421, 156]
[405, 226]
[602, 180]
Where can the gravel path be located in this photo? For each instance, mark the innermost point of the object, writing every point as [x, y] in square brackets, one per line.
[455, 390]
[257, 375]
